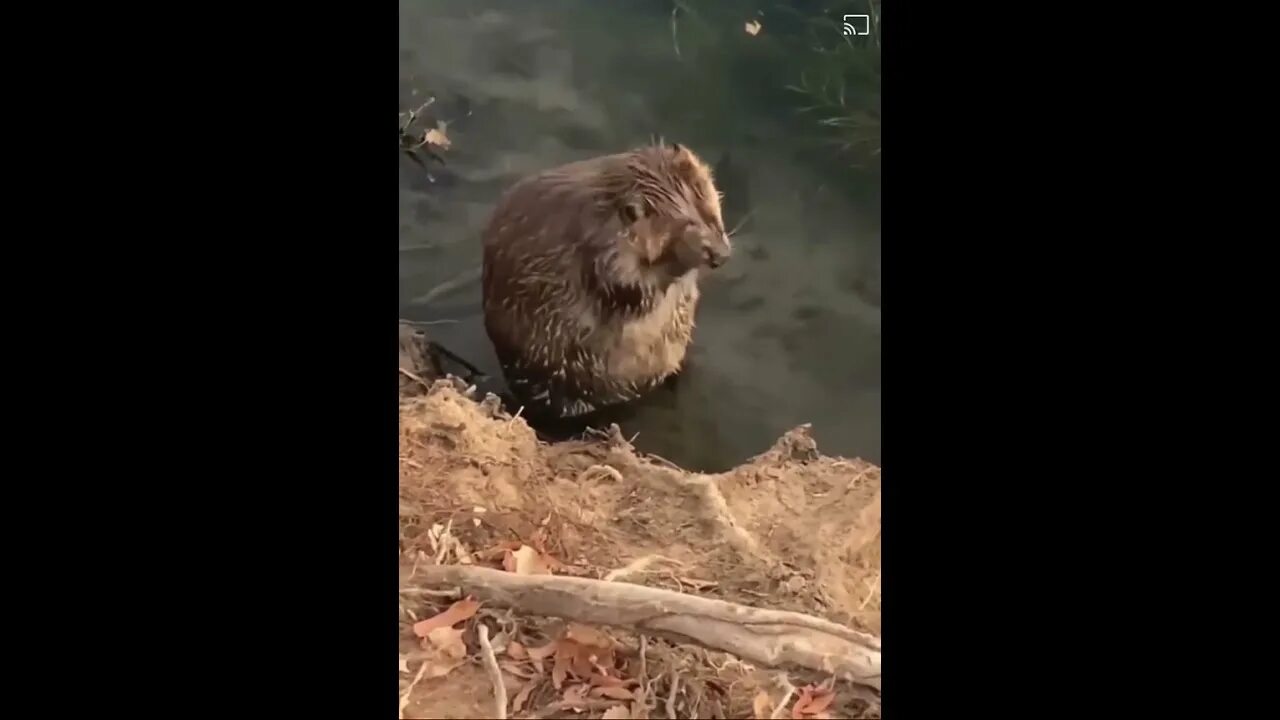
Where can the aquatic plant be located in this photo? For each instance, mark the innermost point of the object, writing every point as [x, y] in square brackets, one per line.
[800, 50]
[415, 138]
[840, 82]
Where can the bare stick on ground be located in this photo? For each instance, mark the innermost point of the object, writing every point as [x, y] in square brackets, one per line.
[779, 711]
[404, 699]
[495, 675]
[767, 637]
[671, 696]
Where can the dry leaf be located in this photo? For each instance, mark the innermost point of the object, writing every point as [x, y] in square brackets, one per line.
[448, 641]
[753, 27]
[499, 643]
[587, 635]
[436, 136]
[404, 664]
[537, 655]
[610, 681]
[812, 703]
[540, 653]
[517, 651]
[440, 668]
[518, 670]
[449, 651]
[617, 712]
[525, 561]
[820, 701]
[521, 698]
[576, 697]
[561, 668]
[762, 705]
[457, 612]
[581, 658]
[498, 551]
[549, 562]
[584, 659]
[616, 693]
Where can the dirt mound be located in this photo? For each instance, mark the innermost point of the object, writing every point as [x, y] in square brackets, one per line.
[790, 530]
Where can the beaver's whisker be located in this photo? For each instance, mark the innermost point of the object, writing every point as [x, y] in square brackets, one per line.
[741, 222]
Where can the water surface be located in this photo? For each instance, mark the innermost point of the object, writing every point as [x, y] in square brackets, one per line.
[788, 331]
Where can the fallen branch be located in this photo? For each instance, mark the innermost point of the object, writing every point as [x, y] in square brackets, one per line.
[767, 637]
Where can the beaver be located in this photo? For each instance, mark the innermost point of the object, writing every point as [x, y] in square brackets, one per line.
[590, 276]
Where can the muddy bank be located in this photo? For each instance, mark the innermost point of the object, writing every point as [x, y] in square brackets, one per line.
[791, 529]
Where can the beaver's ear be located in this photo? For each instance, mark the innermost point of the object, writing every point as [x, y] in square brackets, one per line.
[686, 163]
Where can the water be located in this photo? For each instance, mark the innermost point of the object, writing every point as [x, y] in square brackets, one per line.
[788, 331]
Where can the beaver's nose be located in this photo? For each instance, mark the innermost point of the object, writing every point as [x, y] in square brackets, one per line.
[717, 252]
[715, 257]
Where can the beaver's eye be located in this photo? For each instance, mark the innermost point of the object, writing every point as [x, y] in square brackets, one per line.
[631, 212]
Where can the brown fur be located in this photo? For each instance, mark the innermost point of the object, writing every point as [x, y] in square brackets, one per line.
[591, 275]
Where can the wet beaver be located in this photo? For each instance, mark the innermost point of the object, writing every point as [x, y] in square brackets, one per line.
[591, 276]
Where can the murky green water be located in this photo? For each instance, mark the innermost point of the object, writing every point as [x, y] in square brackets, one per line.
[788, 331]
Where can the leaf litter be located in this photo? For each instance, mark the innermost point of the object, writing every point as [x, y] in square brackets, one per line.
[460, 611]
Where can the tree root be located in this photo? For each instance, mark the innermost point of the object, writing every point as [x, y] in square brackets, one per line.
[766, 637]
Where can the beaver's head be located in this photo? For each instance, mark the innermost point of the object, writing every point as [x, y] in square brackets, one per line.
[669, 209]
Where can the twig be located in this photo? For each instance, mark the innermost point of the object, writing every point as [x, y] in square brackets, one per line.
[442, 350]
[675, 41]
[448, 286]
[495, 675]
[404, 699]
[642, 687]
[445, 537]
[791, 690]
[644, 648]
[413, 114]
[452, 594]
[760, 636]
[661, 460]
[581, 705]
[871, 594]
[671, 697]
[413, 376]
[416, 559]
[594, 469]
[637, 566]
